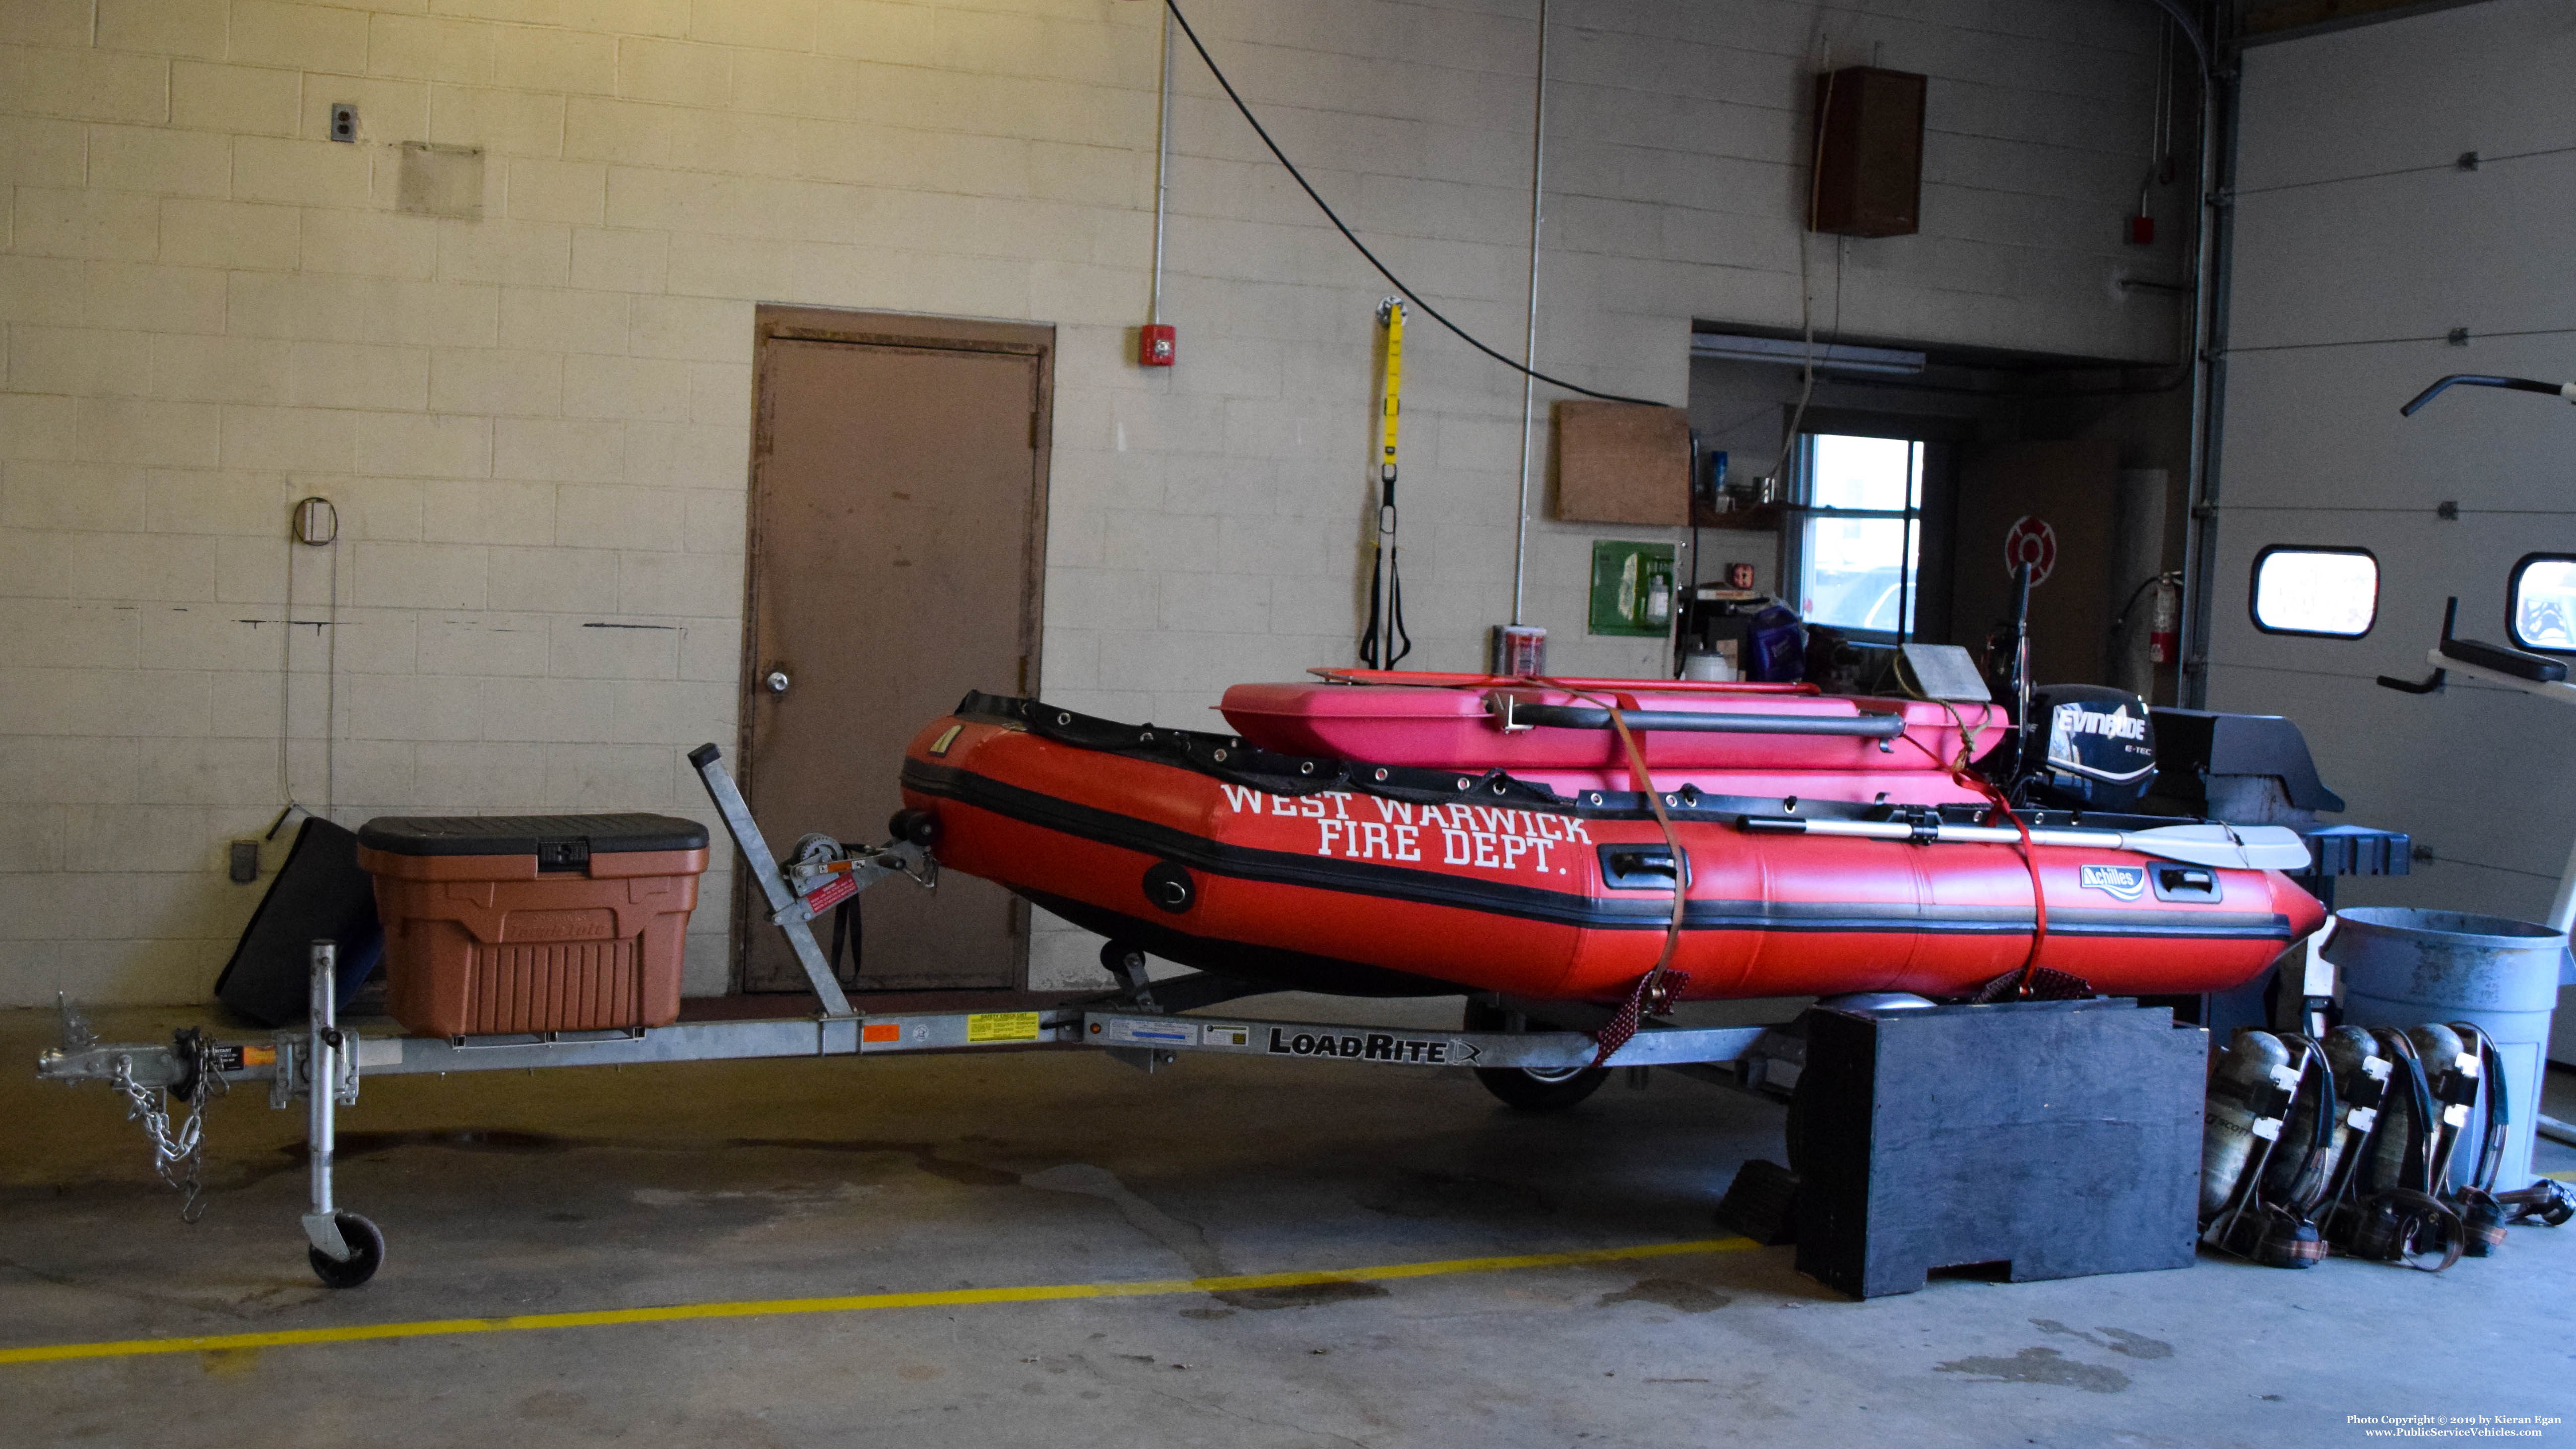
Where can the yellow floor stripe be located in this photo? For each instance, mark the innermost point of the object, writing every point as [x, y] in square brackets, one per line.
[856, 1303]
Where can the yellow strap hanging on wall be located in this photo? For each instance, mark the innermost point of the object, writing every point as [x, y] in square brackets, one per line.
[1385, 641]
[1392, 314]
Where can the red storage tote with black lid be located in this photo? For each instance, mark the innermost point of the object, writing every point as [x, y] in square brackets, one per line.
[531, 923]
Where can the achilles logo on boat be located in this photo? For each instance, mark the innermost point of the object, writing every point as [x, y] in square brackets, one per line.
[2125, 882]
[1359, 1046]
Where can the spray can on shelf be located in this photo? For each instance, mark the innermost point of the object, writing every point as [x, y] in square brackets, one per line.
[1520, 651]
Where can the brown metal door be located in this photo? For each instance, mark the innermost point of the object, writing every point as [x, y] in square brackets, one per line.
[897, 507]
[2052, 502]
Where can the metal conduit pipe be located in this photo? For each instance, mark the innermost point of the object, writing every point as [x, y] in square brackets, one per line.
[1529, 338]
[1162, 168]
[2208, 311]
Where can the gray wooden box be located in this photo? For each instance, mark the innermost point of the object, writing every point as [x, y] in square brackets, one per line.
[2051, 1138]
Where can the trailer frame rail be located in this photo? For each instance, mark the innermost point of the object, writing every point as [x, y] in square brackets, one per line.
[345, 1248]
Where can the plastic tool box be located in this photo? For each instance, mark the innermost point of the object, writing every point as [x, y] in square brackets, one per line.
[532, 923]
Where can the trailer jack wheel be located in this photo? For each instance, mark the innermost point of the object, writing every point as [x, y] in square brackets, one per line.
[366, 1253]
[1530, 1089]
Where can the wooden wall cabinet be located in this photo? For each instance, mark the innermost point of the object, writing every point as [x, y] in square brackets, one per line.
[1869, 153]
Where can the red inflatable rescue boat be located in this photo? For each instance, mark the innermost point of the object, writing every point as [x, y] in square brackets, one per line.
[1368, 836]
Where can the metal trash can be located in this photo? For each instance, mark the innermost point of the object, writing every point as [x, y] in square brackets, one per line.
[2402, 967]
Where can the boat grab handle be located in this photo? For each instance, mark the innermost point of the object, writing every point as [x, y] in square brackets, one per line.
[1578, 717]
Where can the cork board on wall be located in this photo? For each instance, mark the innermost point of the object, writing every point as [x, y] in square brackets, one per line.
[1622, 463]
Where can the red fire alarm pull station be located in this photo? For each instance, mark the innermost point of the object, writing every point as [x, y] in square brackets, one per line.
[1157, 343]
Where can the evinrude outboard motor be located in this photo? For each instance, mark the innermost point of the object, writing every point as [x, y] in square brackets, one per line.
[2088, 747]
[2078, 746]
[2096, 747]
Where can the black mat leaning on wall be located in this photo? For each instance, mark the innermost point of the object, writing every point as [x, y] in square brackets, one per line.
[320, 892]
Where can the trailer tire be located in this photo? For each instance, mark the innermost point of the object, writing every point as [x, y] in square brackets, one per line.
[1530, 1089]
[367, 1253]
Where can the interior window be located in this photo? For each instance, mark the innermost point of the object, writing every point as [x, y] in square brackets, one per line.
[1859, 538]
[2542, 614]
[2328, 591]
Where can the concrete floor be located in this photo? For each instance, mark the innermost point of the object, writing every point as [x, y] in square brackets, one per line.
[708, 1182]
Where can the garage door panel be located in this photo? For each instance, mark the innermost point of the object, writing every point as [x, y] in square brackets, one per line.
[2409, 255]
[2319, 428]
[2357, 101]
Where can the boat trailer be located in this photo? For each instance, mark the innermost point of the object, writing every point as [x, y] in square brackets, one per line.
[1139, 1023]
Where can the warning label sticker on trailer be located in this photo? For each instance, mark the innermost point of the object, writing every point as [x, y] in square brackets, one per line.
[1216, 1035]
[831, 893]
[1125, 1031]
[992, 1026]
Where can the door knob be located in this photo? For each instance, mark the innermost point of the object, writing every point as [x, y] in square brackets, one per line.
[775, 681]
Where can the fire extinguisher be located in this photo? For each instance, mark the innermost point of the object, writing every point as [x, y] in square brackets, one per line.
[2164, 618]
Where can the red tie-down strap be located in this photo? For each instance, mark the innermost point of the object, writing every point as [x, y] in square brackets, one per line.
[2031, 981]
[1655, 991]
[2028, 981]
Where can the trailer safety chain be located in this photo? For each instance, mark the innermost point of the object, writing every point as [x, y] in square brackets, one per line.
[178, 1156]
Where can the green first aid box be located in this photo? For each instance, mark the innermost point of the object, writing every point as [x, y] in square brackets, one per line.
[1632, 588]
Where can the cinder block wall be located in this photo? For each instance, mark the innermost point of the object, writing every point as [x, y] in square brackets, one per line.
[536, 423]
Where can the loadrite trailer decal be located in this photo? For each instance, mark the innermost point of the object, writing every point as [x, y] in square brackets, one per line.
[1371, 1046]
[1471, 835]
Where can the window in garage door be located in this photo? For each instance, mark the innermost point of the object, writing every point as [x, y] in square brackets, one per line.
[2330, 592]
[2541, 613]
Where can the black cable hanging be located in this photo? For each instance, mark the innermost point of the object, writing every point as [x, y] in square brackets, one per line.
[1347, 235]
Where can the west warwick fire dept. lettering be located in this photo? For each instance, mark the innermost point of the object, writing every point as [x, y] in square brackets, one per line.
[1492, 838]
